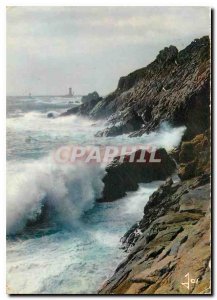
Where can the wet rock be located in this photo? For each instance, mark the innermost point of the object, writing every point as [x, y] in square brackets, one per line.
[167, 55]
[50, 115]
[89, 97]
[173, 88]
[71, 111]
[85, 108]
[132, 122]
[178, 242]
[126, 176]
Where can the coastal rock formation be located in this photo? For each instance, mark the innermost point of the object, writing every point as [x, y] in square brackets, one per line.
[169, 249]
[175, 87]
[122, 177]
[50, 115]
[172, 88]
[170, 243]
[89, 97]
[89, 102]
[194, 156]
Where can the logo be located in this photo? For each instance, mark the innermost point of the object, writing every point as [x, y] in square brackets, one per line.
[71, 154]
[189, 281]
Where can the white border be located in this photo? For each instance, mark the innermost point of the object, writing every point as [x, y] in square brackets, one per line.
[3, 4]
[210, 3]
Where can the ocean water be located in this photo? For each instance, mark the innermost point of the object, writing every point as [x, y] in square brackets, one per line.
[73, 245]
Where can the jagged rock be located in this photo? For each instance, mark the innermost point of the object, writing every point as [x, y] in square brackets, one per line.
[83, 109]
[132, 123]
[172, 239]
[50, 115]
[173, 88]
[71, 111]
[194, 156]
[167, 55]
[170, 245]
[124, 177]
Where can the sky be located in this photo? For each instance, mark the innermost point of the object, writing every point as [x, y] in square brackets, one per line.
[50, 49]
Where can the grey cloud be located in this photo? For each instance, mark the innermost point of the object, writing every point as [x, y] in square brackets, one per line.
[90, 47]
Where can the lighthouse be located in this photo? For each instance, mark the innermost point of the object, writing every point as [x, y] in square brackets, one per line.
[70, 91]
[70, 94]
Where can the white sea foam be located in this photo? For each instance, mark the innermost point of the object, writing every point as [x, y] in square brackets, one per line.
[76, 262]
[166, 137]
[71, 190]
[73, 261]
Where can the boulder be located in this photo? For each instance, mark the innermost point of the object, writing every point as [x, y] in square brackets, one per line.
[167, 55]
[52, 114]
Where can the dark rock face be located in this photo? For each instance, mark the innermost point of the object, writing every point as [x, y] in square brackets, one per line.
[125, 177]
[71, 111]
[133, 122]
[50, 115]
[167, 55]
[173, 88]
[83, 109]
[172, 238]
[90, 97]
[194, 156]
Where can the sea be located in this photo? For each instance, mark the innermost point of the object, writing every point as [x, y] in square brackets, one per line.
[73, 246]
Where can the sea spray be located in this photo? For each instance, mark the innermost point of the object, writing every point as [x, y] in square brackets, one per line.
[77, 258]
[70, 190]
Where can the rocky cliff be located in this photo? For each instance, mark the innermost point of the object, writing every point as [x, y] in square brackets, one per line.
[175, 87]
[88, 103]
[122, 177]
[89, 97]
[169, 249]
[170, 243]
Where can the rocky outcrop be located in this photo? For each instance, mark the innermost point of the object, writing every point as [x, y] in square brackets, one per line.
[194, 156]
[170, 243]
[89, 97]
[84, 109]
[50, 115]
[122, 177]
[169, 249]
[173, 88]
[133, 122]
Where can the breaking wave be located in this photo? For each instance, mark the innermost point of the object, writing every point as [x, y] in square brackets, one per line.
[68, 191]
